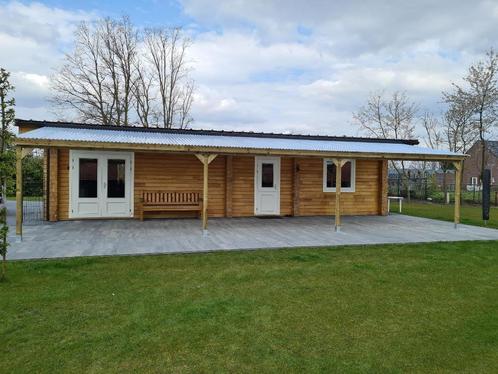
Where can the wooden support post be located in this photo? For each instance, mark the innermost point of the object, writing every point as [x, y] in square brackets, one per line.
[458, 191]
[45, 184]
[206, 160]
[338, 181]
[205, 195]
[19, 213]
[228, 186]
[295, 189]
[53, 161]
[383, 190]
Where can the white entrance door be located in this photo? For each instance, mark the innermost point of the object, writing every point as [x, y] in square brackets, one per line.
[267, 186]
[101, 184]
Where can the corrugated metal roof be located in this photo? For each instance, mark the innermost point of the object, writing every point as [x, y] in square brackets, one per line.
[59, 133]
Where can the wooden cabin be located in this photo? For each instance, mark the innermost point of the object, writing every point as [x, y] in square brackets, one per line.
[110, 172]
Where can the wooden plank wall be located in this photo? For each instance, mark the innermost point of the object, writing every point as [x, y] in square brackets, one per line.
[243, 186]
[63, 184]
[53, 209]
[313, 201]
[175, 172]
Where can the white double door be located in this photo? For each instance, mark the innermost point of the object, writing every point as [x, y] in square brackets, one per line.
[101, 184]
[267, 186]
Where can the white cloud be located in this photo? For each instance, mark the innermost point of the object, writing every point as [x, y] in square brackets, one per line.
[309, 65]
[32, 41]
[293, 66]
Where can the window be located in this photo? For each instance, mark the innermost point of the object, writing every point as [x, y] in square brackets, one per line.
[88, 177]
[116, 178]
[267, 175]
[348, 176]
[473, 181]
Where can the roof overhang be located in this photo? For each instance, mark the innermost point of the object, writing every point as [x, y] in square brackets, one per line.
[195, 142]
[38, 143]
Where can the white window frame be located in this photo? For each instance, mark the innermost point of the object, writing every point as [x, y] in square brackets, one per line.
[327, 161]
[474, 181]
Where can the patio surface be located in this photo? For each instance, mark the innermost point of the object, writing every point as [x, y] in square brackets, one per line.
[124, 237]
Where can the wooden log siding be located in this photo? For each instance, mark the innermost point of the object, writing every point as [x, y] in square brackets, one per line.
[177, 173]
[63, 184]
[184, 172]
[364, 201]
[53, 190]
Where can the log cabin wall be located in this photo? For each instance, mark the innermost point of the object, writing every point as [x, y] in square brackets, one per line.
[63, 184]
[364, 201]
[176, 172]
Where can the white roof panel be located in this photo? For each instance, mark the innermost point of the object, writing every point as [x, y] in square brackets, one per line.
[225, 141]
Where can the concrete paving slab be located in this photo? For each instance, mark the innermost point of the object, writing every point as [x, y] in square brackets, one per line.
[124, 237]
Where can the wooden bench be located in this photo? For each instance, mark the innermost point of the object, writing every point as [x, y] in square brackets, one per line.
[161, 201]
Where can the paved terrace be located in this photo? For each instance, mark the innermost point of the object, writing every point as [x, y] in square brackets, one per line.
[124, 237]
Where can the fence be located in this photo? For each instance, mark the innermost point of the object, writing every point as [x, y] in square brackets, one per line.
[32, 200]
[425, 188]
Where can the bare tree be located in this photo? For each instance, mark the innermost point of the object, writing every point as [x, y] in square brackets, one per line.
[142, 90]
[434, 136]
[388, 118]
[166, 49]
[120, 75]
[458, 127]
[477, 101]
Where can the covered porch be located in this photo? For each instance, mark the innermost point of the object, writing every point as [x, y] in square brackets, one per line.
[304, 175]
[127, 237]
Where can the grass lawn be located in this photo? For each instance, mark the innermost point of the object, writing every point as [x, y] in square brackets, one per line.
[389, 308]
[470, 214]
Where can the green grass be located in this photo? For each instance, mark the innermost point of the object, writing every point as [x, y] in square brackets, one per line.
[387, 309]
[470, 214]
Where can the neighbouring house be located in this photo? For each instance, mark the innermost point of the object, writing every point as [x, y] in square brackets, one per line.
[472, 165]
[96, 171]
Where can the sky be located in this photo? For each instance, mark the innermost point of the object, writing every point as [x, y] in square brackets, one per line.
[263, 65]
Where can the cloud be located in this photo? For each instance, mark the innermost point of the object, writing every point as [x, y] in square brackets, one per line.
[33, 38]
[292, 66]
[309, 65]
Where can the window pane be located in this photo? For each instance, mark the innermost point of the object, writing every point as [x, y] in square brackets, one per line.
[345, 175]
[267, 175]
[88, 177]
[330, 175]
[115, 178]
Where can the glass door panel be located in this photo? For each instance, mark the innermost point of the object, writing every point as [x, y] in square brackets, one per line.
[116, 178]
[88, 177]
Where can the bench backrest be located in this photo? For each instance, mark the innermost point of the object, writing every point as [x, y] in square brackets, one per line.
[162, 197]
